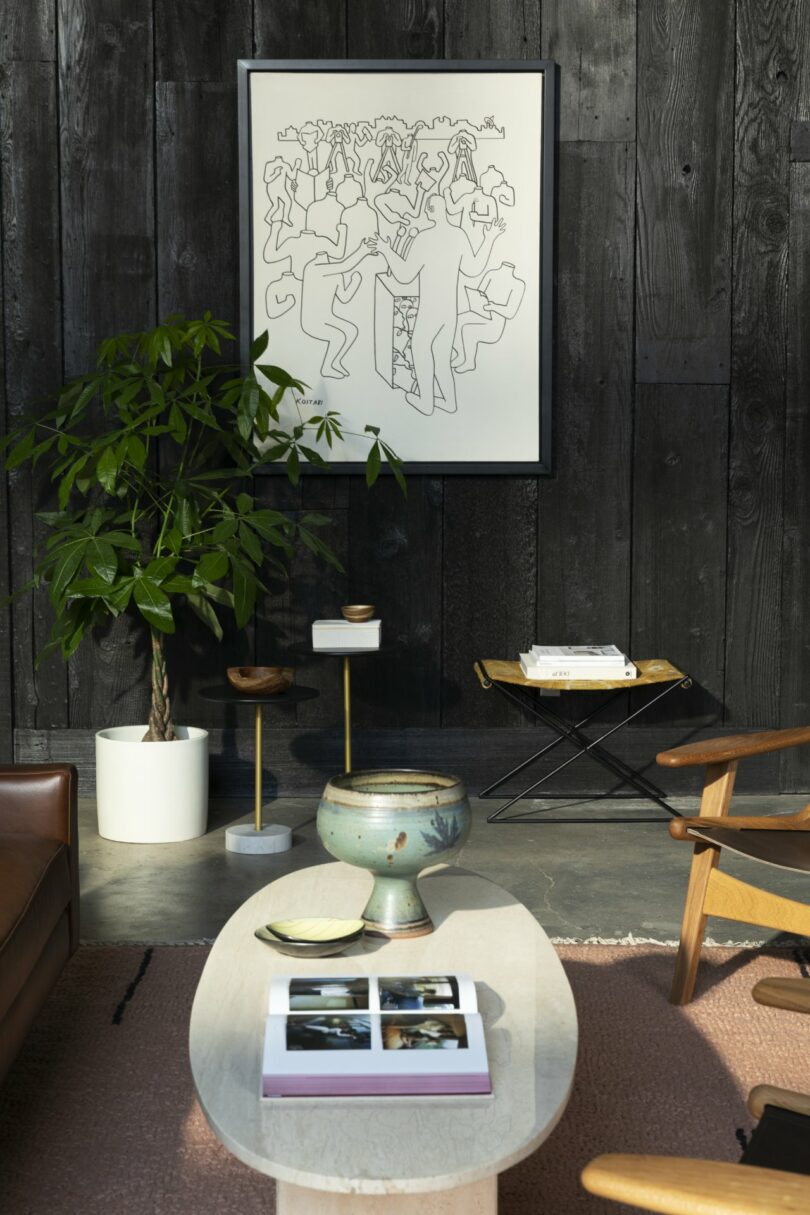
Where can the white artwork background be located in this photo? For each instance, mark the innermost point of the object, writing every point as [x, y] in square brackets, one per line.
[396, 251]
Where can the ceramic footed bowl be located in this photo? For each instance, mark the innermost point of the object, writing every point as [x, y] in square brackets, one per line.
[265, 681]
[394, 824]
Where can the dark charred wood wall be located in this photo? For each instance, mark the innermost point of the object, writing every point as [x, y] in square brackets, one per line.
[676, 521]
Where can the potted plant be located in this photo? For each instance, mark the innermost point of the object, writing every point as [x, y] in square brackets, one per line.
[153, 455]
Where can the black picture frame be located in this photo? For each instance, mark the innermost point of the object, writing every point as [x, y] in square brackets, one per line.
[538, 458]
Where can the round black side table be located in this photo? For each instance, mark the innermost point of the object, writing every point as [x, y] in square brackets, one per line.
[270, 837]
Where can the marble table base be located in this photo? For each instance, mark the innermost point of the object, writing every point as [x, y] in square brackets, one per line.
[274, 837]
[480, 1198]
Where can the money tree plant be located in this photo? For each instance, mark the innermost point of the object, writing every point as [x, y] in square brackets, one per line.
[153, 455]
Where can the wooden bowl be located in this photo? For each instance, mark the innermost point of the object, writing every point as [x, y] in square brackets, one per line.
[357, 612]
[265, 680]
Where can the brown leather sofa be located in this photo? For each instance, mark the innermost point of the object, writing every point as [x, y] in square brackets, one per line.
[39, 892]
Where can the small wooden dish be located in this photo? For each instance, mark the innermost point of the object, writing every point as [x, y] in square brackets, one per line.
[356, 613]
[265, 680]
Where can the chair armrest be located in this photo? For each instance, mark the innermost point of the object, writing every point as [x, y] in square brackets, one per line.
[766, 1094]
[792, 994]
[679, 827]
[674, 1185]
[735, 746]
[39, 799]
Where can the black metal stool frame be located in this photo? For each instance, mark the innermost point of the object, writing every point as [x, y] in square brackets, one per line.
[583, 746]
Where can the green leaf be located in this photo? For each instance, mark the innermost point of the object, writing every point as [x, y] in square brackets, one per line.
[258, 346]
[154, 604]
[177, 423]
[373, 464]
[202, 608]
[219, 594]
[224, 530]
[70, 558]
[101, 559]
[250, 544]
[22, 450]
[244, 596]
[136, 452]
[107, 469]
[244, 504]
[318, 547]
[277, 375]
[293, 467]
[212, 567]
[160, 568]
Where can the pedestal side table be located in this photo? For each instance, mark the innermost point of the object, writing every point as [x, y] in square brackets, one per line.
[260, 837]
[346, 655]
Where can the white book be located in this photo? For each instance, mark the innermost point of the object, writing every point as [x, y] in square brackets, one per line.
[589, 654]
[369, 1035]
[579, 670]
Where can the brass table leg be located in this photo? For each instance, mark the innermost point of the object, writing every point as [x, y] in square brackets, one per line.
[347, 715]
[257, 782]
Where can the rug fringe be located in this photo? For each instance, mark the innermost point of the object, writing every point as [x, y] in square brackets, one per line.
[631, 939]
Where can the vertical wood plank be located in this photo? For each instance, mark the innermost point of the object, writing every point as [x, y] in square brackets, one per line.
[583, 587]
[679, 539]
[6, 664]
[490, 523]
[200, 40]
[476, 29]
[593, 42]
[685, 126]
[410, 29]
[395, 548]
[106, 82]
[770, 41]
[299, 29]
[27, 31]
[33, 348]
[795, 638]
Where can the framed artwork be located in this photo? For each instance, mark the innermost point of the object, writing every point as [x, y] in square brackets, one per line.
[396, 241]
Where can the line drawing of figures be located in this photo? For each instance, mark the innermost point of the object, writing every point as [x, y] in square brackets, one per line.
[324, 215]
[359, 217]
[462, 147]
[493, 183]
[282, 294]
[436, 257]
[278, 179]
[388, 166]
[326, 282]
[493, 303]
[301, 247]
[476, 209]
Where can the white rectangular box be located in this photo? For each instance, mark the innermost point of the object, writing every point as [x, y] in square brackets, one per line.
[345, 635]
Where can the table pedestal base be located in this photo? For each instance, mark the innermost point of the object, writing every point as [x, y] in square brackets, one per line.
[480, 1198]
[245, 838]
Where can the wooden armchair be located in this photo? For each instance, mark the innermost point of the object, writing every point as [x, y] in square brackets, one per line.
[773, 1176]
[779, 840]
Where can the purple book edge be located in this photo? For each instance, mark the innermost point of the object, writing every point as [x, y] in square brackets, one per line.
[375, 1086]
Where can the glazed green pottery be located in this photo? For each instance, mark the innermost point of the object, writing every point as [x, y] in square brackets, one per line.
[394, 824]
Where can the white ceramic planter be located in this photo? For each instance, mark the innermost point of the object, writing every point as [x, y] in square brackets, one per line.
[151, 793]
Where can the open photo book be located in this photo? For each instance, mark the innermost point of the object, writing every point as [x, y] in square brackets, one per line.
[397, 1035]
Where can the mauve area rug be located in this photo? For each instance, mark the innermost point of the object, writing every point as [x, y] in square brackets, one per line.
[99, 1113]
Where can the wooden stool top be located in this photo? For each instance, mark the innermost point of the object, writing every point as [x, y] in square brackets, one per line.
[650, 670]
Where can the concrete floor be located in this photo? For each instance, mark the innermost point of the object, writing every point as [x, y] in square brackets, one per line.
[580, 881]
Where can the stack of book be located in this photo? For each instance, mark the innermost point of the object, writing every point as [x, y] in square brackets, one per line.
[577, 662]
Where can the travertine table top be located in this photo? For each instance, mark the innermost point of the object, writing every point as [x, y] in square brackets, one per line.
[392, 1145]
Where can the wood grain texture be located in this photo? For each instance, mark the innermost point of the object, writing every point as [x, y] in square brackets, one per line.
[292, 29]
[685, 125]
[731, 899]
[795, 641]
[770, 38]
[679, 536]
[800, 140]
[411, 29]
[299, 760]
[28, 31]
[6, 668]
[674, 1184]
[395, 562]
[476, 29]
[106, 75]
[794, 995]
[33, 352]
[583, 569]
[197, 200]
[200, 40]
[593, 41]
[735, 746]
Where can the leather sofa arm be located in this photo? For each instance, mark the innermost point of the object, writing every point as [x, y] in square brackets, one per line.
[39, 799]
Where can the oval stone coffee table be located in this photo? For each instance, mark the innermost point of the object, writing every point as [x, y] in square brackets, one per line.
[437, 1155]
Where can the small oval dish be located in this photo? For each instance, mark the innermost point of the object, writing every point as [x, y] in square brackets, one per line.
[266, 681]
[342, 934]
[356, 613]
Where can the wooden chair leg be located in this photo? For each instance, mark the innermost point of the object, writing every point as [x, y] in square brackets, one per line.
[693, 925]
[717, 790]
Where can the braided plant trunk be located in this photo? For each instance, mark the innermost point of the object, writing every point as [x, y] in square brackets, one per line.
[161, 726]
